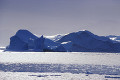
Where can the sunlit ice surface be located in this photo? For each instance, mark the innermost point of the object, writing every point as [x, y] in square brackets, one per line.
[59, 66]
[61, 58]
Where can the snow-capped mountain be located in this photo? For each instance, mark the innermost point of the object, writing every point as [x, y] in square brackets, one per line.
[84, 41]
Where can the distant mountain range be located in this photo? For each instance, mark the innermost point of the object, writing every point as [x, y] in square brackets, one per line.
[81, 41]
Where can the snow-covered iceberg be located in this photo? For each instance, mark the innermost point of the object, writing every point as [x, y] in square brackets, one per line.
[88, 42]
[82, 41]
[24, 40]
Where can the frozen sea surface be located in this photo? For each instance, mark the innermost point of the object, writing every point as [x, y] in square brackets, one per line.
[54, 76]
[59, 66]
[61, 58]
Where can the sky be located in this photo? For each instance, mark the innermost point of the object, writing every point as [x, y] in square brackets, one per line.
[51, 17]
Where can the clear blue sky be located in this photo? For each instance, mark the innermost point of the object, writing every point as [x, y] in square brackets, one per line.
[50, 17]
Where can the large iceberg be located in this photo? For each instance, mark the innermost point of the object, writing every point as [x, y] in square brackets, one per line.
[82, 41]
[86, 41]
[22, 40]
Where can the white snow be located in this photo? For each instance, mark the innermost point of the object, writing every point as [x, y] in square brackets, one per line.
[55, 37]
[2, 49]
[114, 38]
[65, 42]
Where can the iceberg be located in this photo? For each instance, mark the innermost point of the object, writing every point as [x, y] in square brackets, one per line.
[16, 44]
[81, 41]
[85, 41]
[39, 44]
[25, 35]
[67, 45]
[52, 46]
[60, 49]
[21, 41]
